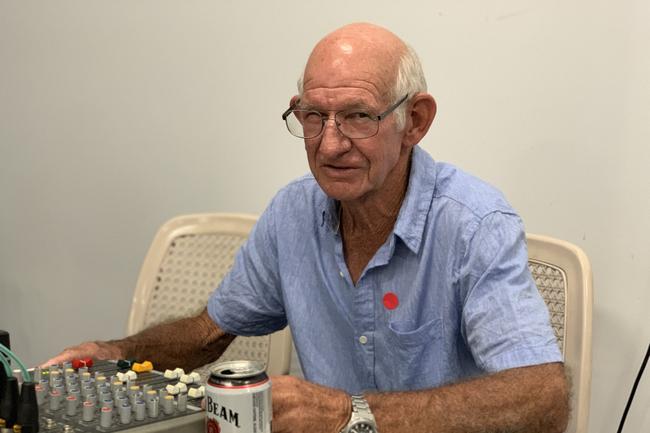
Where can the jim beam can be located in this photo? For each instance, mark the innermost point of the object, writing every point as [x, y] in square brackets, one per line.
[238, 398]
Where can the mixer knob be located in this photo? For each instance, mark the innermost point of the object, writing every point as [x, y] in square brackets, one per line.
[125, 413]
[135, 396]
[152, 407]
[150, 394]
[105, 395]
[41, 392]
[140, 408]
[92, 398]
[197, 392]
[88, 411]
[36, 374]
[45, 384]
[87, 388]
[57, 383]
[116, 384]
[182, 402]
[132, 393]
[55, 400]
[53, 376]
[106, 417]
[99, 379]
[74, 391]
[119, 393]
[168, 405]
[103, 389]
[71, 405]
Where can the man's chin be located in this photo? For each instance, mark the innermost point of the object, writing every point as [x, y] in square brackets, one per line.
[342, 192]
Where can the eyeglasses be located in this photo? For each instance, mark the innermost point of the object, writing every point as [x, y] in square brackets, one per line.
[351, 123]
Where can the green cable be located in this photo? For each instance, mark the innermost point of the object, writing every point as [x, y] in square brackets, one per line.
[26, 376]
[6, 366]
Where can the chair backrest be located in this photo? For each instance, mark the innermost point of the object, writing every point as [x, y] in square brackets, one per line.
[563, 276]
[187, 259]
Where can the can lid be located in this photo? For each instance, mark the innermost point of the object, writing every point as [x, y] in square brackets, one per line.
[238, 369]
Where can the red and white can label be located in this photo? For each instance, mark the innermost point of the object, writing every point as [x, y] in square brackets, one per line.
[245, 408]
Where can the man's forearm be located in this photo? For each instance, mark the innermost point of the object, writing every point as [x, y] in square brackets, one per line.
[188, 343]
[530, 399]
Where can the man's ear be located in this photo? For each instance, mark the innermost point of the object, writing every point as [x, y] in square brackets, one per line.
[419, 116]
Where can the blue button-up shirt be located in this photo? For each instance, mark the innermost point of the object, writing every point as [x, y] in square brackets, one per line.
[456, 261]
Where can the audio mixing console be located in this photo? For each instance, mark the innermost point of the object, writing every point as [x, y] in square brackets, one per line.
[104, 398]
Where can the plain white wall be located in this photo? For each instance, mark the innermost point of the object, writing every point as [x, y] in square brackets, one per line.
[115, 116]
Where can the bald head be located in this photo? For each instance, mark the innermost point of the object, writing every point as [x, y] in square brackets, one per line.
[357, 51]
[370, 83]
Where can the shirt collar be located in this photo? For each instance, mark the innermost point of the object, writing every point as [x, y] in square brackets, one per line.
[415, 207]
[412, 216]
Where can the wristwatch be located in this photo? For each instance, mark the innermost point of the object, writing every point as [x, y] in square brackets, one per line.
[361, 420]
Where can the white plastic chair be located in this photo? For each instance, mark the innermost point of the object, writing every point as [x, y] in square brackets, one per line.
[188, 258]
[563, 276]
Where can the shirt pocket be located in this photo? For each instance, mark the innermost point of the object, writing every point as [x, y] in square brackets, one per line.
[415, 353]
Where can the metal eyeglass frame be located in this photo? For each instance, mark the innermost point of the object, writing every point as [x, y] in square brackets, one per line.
[378, 118]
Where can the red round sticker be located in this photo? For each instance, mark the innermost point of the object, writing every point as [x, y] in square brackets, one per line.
[390, 301]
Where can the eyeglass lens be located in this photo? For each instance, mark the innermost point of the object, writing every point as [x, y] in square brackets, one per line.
[352, 124]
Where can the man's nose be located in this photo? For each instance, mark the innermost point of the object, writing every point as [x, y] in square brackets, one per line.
[332, 141]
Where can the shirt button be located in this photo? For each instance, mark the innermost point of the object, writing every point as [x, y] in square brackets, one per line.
[341, 274]
[363, 339]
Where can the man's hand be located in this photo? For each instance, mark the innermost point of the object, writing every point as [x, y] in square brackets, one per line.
[301, 406]
[90, 349]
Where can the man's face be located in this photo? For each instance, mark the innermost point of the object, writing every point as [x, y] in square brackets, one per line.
[350, 169]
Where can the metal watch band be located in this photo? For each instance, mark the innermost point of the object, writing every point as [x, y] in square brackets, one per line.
[361, 414]
[360, 405]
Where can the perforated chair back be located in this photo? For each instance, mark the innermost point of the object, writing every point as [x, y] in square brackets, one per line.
[187, 260]
[563, 276]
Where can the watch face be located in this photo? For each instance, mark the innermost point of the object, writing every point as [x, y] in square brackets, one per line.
[362, 427]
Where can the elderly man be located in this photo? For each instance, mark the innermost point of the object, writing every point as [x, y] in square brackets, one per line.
[404, 280]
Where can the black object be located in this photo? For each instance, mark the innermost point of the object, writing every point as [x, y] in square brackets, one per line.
[9, 403]
[125, 364]
[3, 382]
[4, 339]
[636, 383]
[27, 416]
